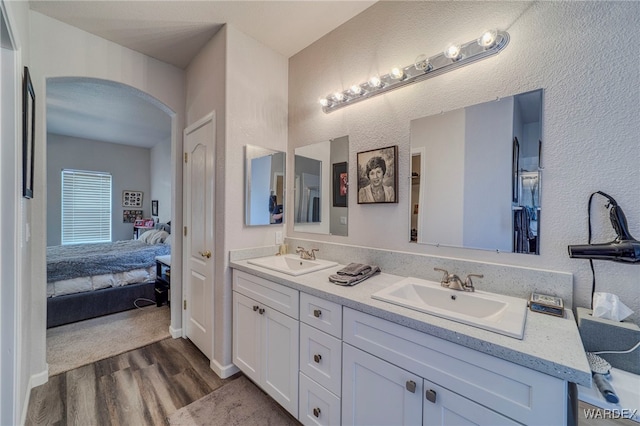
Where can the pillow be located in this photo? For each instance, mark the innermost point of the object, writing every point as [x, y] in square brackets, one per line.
[158, 237]
[147, 235]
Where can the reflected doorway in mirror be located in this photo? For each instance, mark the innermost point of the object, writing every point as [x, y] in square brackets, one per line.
[377, 170]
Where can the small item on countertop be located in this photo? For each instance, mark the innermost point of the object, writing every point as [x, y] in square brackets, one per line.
[598, 364]
[600, 368]
[349, 280]
[546, 304]
[282, 250]
[605, 388]
[609, 306]
[354, 269]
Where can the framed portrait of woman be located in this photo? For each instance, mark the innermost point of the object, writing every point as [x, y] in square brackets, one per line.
[377, 170]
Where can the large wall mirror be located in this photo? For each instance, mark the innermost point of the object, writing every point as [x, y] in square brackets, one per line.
[475, 176]
[264, 185]
[320, 187]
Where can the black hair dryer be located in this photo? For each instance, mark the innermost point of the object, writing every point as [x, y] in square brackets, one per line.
[624, 248]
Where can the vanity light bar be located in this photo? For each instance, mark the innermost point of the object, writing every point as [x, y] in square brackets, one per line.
[455, 56]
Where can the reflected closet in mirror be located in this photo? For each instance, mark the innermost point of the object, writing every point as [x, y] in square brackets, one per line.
[264, 177]
[475, 176]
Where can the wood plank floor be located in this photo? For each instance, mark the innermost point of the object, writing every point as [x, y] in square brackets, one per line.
[140, 387]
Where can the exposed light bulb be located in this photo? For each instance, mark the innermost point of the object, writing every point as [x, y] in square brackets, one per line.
[323, 101]
[375, 81]
[338, 96]
[453, 52]
[422, 63]
[356, 89]
[397, 73]
[488, 38]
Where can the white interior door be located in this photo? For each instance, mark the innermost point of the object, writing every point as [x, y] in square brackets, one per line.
[199, 208]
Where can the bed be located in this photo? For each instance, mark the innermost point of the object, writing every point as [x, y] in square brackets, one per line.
[90, 280]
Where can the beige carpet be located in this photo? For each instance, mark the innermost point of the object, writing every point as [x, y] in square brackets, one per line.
[238, 403]
[74, 345]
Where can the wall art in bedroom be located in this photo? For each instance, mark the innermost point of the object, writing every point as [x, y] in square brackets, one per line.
[131, 198]
[28, 133]
[130, 216]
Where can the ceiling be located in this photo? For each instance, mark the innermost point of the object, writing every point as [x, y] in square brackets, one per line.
[172, 32]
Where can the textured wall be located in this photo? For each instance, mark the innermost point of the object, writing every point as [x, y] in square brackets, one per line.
[246, 84]
[578, 52]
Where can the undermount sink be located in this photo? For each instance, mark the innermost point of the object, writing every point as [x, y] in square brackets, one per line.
[494, 312]
[291, 264]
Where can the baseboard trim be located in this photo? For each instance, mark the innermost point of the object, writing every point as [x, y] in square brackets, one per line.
[34, 381]
[175, 332]
[223, 371]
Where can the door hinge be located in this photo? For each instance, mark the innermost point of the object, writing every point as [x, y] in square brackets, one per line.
[185, 305]
[185, 231]
[185, 157]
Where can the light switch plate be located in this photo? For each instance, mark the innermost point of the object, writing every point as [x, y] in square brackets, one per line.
[279, 239]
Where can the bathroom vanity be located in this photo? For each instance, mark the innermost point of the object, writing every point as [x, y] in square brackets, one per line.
[335, 355]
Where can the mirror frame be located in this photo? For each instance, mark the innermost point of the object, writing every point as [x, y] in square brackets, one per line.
[334, 207]
[252, 153]
[522, 160]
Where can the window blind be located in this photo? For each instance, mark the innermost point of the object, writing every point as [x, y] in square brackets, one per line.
[86, 207]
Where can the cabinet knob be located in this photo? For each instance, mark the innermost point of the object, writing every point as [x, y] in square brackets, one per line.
[317, 358]
[431, 395]
[261, 311]
[316, 412]
[411, 386]
[317, 313]
[255, 308]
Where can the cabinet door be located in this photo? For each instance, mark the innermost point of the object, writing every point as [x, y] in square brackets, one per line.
[375, 392]
[280, 337]
[247, 329]
[443, 407]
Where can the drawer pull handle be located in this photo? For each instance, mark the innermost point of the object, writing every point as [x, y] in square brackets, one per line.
[317, 358]
[317, 313]
[431, 395]
[255, 308]
[261, 311]
[411, 386]
[316, 412]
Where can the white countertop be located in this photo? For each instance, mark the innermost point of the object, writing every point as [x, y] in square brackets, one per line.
[551, 345]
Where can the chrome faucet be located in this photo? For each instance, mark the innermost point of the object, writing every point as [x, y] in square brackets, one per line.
[307, 254]
[454, 282]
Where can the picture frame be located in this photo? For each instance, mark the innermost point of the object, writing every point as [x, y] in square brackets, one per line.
[382, 185]
[154, 207]
[28, 133]
[130, 216]
[515, 170]
[340, 184]
[132, 199]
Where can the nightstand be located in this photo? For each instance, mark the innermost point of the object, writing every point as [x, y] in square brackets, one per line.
[163, 279]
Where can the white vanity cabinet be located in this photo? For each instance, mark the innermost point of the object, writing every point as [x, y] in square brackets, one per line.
[266, 336]
[320, 361]
[394, 374]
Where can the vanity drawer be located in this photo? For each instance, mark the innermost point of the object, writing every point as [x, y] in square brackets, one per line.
[276, 296]
[318, 406]
[321, 357]
[321, 314]
[525, 395]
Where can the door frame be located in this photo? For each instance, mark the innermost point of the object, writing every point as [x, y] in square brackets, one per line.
[11, 226]
[211, 117]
